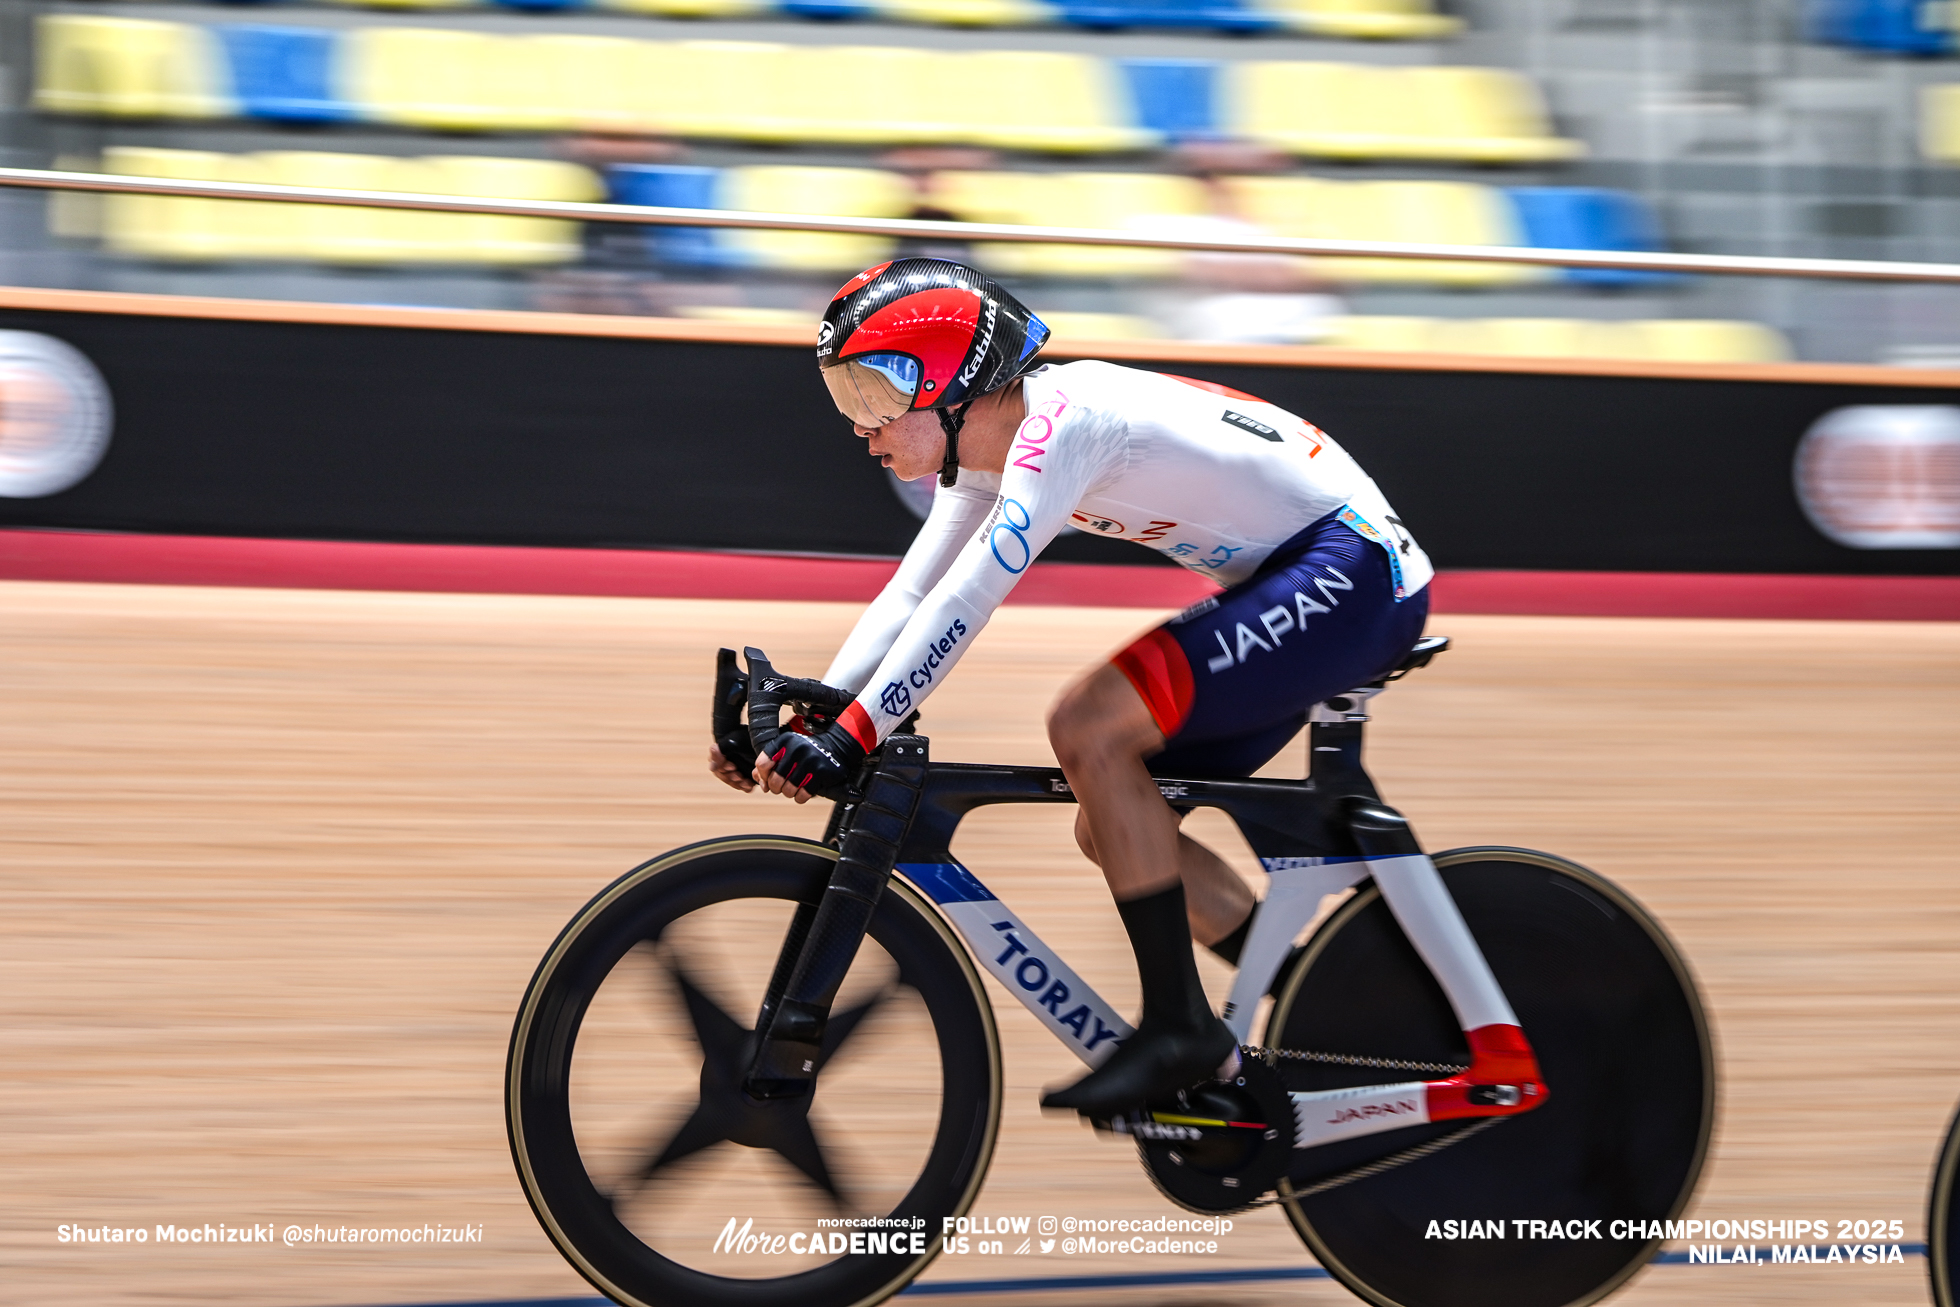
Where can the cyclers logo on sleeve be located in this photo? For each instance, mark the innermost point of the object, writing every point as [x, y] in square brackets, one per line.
[936, 651]
[894, 698]
[1007, 536]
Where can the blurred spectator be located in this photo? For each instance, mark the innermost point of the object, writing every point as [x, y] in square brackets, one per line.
[921, 166]
[616, 244]
[1244, 298]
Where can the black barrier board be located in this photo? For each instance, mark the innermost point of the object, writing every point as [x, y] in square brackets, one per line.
[393, 433]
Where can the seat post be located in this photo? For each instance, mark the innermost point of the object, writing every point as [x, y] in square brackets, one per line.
[1334, 729]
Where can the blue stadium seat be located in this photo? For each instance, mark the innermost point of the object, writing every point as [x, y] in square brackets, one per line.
[1589, 218]
[1221, 15]
[1903, 26]
[1174, 96]
[677, 186]
[1909, 27]
[828, 10]
[285, 74]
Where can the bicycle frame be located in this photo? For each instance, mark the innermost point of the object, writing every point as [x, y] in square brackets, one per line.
[1314, 837]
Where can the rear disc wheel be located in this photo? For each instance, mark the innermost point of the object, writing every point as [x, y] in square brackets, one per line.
[1943, 1221]
[1612, 1012]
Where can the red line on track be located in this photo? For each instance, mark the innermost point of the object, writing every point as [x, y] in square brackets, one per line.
[27, 555]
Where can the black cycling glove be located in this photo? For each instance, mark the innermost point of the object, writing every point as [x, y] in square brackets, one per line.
[825, 763]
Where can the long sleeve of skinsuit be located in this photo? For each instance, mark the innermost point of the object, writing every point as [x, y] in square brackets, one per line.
[965, 563]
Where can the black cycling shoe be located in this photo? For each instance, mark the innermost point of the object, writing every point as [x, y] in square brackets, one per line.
[1151, 1064]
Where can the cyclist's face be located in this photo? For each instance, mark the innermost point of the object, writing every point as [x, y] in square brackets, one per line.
[912, 445]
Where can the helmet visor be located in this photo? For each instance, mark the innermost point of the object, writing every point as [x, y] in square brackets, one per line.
[873, 389]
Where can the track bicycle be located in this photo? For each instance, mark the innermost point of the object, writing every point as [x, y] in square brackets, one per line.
[764, 1070]
[1943, 1220]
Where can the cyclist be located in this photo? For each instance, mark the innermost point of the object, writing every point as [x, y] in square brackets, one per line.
[936, 368]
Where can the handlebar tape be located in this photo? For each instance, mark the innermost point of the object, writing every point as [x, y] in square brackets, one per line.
[769, 690]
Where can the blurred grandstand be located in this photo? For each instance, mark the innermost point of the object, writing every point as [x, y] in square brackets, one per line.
[1749, 126]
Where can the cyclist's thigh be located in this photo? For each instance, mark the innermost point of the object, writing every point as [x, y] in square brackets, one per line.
[1253, 659]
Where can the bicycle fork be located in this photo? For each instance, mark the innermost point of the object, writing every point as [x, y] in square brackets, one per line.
[823, 940]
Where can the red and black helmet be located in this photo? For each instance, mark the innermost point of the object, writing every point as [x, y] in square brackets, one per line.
[922, 333]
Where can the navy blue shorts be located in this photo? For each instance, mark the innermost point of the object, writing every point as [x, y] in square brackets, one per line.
[1229, 681]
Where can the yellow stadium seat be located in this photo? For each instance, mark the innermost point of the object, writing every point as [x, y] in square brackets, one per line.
[1691, 340]
[1674, 340]
[984, 196]
[1385, 332]
[832, 192]
[1364, 19]
[1101, 200]
[1045, 100]
[967, 13]
[1482, 115]
[499, 240]
[172, 228]
[166, 227]
[854, 95]
[1446, 213]
[1331, 110]
[444, 79]
[326, 233]
[129, 68]
[1939, 122]
[75, 215]
[1549, 338]
[1453, 213]
[587, 83]
[1360, 111]
[747, 314]
[688, 8]
[713, 88]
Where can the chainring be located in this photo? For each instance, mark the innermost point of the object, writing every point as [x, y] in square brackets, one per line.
[1218, 1146]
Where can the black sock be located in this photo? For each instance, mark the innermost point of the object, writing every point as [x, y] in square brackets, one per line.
[1233, 944]
[1160, 935]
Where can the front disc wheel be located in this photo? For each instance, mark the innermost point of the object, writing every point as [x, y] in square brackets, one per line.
[651, 1169]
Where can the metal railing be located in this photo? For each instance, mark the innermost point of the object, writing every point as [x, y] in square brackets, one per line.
[1734, 265]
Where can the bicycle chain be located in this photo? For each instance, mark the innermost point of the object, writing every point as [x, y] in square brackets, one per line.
[1389, 1163]
[1272, 1055]
[1380, 1164]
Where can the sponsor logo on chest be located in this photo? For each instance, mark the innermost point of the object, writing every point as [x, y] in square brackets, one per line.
[1031, 440]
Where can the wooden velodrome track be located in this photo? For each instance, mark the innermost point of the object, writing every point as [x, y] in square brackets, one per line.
[278, 865]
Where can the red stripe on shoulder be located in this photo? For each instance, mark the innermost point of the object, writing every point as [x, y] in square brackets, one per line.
[1213, 387]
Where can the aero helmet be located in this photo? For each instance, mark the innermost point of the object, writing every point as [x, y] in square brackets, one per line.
[923, 333]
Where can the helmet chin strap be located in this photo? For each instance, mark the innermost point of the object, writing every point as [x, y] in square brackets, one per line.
[950, 421]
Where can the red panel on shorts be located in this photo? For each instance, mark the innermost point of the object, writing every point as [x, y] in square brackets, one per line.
[1157, 667]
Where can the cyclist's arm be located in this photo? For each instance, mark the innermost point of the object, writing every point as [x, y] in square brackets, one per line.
[1036, 498]
[956, 514]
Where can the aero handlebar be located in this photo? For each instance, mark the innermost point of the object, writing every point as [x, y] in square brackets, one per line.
[765, 691]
